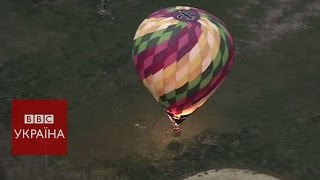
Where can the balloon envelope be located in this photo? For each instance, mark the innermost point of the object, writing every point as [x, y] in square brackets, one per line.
[182, 55]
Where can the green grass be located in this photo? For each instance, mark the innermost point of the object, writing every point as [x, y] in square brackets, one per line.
[269, 103]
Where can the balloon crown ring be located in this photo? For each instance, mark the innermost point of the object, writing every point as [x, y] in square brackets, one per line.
[186, 15]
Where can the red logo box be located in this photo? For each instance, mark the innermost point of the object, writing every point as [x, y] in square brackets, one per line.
[39, 127]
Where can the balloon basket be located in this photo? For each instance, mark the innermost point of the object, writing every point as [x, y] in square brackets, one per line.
[176, 131]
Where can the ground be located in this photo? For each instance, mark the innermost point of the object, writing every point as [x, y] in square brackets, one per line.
[265, 117]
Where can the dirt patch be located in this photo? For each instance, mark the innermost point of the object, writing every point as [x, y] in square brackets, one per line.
[277, 21]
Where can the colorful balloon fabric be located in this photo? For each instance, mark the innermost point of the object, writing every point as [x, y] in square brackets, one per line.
[182, 55]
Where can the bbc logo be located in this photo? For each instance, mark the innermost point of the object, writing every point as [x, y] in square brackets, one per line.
[38, 119]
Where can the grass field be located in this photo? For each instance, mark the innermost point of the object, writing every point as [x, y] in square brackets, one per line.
[265, 117]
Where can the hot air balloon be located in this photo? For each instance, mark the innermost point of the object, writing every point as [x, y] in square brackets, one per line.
[182, 54]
